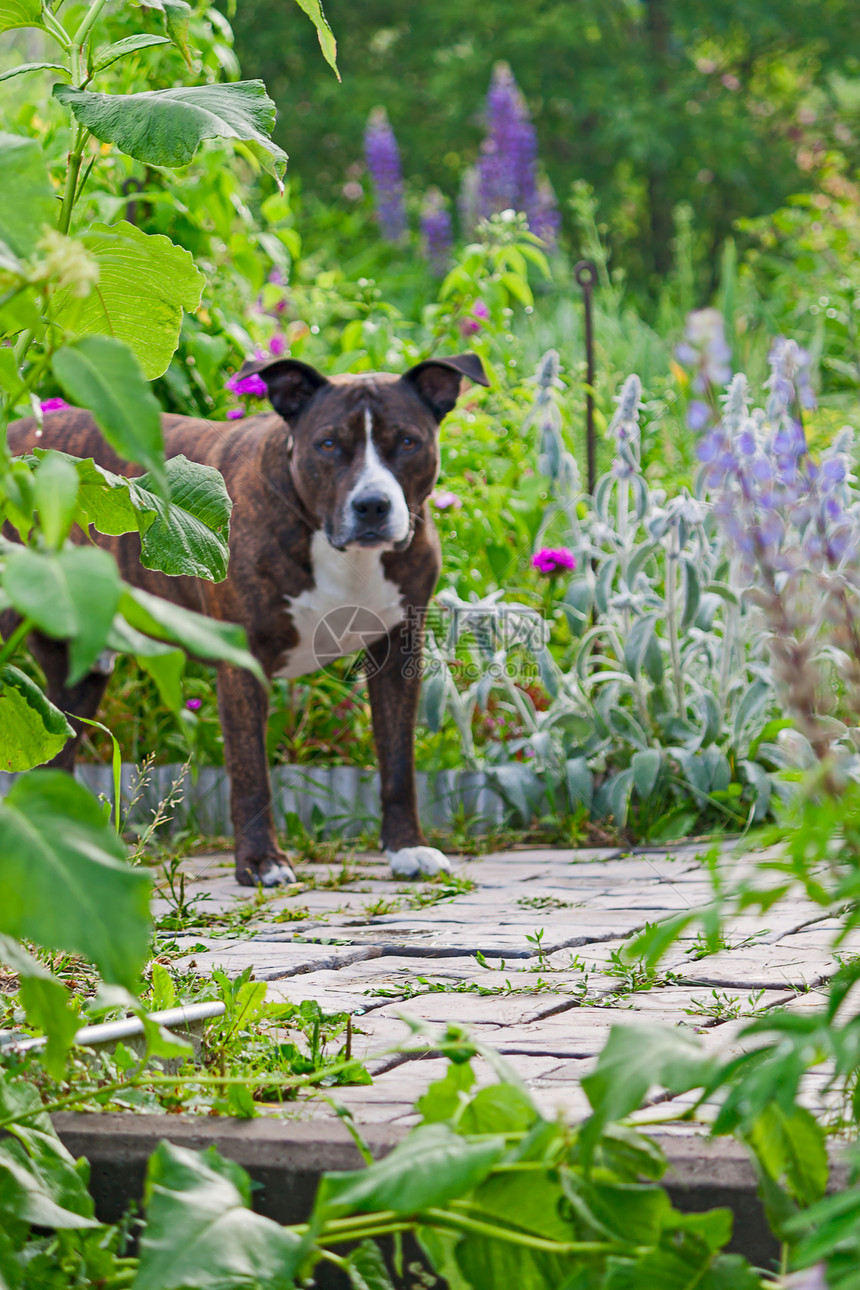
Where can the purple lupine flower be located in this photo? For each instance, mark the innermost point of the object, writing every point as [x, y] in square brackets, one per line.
[446, 501]
[194, 705]
[551, 561]
[383, 162]
[507, 168]
[789, 377]
[705, 347]
[543, 215]
[53, 405]
[253, 385]
[436, 232]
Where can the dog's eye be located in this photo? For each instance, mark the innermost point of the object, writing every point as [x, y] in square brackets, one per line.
[407, 443]
[328, 447]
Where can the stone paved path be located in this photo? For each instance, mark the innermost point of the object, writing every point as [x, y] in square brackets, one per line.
[522, 947]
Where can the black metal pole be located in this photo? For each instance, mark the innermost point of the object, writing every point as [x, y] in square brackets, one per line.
[586, 275]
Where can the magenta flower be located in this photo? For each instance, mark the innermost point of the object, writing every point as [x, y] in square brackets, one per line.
[278, 345]
[473, 322]
[445, 501]
[252, 385]
[194, 705]
[53, 405]
[235, 414]
[551, 561]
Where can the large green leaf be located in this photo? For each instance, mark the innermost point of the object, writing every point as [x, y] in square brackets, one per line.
[128, 45]
[632, 1060]
[71, 595]
[429, 1168]
[102, 374]
[201, 636]
[325, 35]
[790, 1146]
[190, 535]
[27, 200]
[26, 1192]
[32, 730]
[199, 1232]
[164, 663]
[166, 127]
[64, 879]
[145, 282]
[20, 13]
[45, 1001]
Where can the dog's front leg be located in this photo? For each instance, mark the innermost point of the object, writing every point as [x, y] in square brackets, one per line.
[394, 685]
[244, 708]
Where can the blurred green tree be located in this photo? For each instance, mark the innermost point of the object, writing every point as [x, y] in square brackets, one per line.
[651, 102]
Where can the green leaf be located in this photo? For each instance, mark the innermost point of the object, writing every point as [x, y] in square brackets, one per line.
[55, 493]
[20, 13]
[128, 45]
[632, 1060]
[446, 1097]
[190, 535]
[199, 1232]
[790, 1146]
[145, 282]
[45, 1001]
[166, 127]
[23, 68]
[433, 1165]
[27, 200]
[64, 879]
[499, 1108]
[366, 1268]
[27, 1192]
[164, 663]
[325, 35]
[21, 1109]
[72, 595]
[201, 636]
[32, 730]
[646, 771]
[102, 374]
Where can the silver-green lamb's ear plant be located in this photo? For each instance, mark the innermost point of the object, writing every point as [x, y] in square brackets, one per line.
[655, 675]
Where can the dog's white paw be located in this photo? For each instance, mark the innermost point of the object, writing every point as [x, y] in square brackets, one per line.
[418, 862]
[276, 875]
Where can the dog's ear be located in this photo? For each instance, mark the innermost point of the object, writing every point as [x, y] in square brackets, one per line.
[289, 384]
[437, 380]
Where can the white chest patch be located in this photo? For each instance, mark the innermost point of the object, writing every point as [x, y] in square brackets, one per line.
[351, 604]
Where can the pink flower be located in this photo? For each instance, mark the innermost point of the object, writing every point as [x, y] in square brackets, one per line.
[474, 321]
[194, 704]
[278, 345]
[53, 405]
[235, 414]
[276, 277]
[553, 560]
[252, 385]
[444, 501]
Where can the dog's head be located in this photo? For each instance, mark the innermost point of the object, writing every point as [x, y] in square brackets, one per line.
[364, 448]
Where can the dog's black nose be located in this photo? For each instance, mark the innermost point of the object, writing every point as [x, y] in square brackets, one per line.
[371, 507]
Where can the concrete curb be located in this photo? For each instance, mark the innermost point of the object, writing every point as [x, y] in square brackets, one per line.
[286, 1159]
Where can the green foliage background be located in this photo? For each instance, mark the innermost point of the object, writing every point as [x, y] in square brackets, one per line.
[650, 102]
